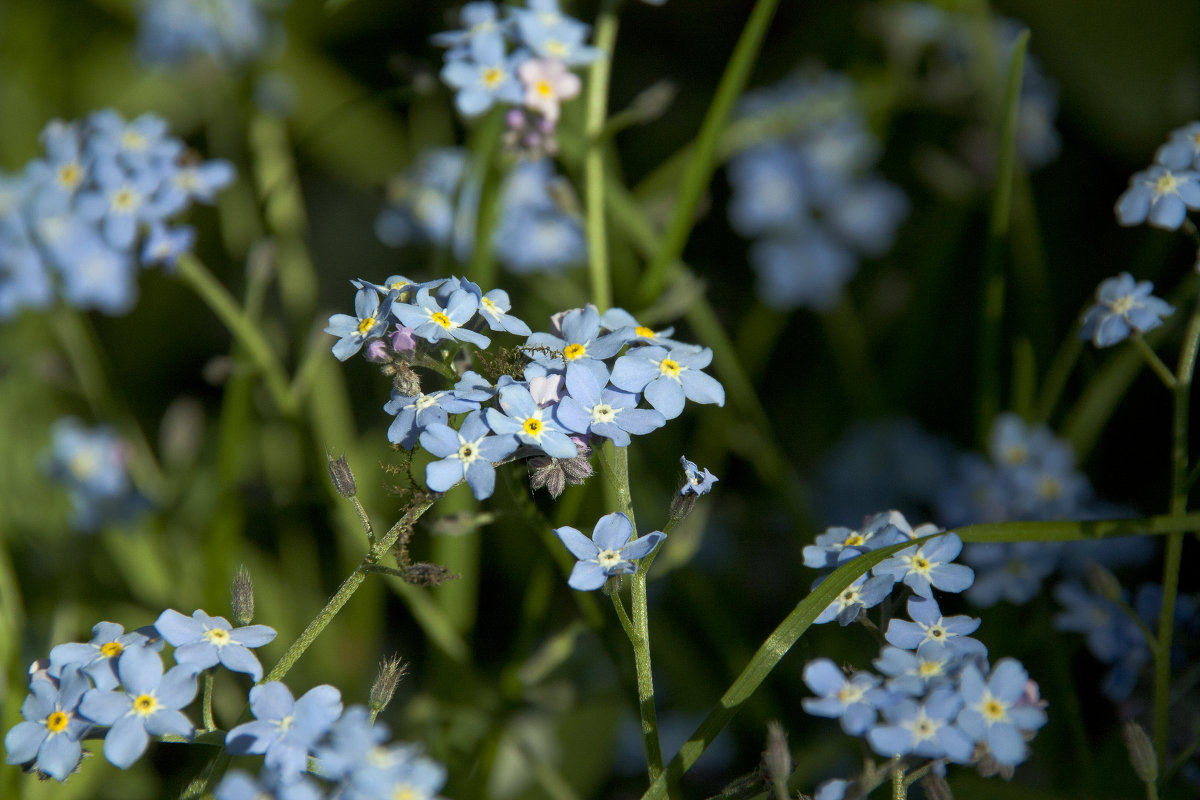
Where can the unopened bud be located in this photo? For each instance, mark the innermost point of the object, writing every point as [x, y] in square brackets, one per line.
[1103, 582]
[653, 101]
[391, 670]
[936, 788]
[241, 597]
[555, 474]
[1141, 751]
[342, 477]
[777, 758]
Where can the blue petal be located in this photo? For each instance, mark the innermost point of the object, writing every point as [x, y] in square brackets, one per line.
[613, 531]
[642, 546]
[587, 576]
[441, 475]
[580, 546]
[125, 742]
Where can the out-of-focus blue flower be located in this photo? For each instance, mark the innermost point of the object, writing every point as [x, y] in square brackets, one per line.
[535, 233]
[50, 735]
[229, 32]
[520, 415]
[285, 730]
[929, 628]
[928, 567]
[204, 641]
[406, 775]
[98, 658]
[1159, 197]
[993, 712]
[852, 700]
[483, 75]
[1011, 571]
[494, 307]
[695, 480]
[609, 552]
[238, 785]
[1123, 307]
[466, 454]
[666, 377]
[91, 464]
[480, 20]
[422, 205]
[1111, 634]
[1182, 150]
[147, 704]
[914, 673]
[803, 269]
[353, 740]
[926, 729]
[866, 592]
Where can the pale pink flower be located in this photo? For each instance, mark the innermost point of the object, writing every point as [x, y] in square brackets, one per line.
[547, 83]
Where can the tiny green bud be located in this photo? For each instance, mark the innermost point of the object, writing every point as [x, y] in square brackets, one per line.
[391, 671]
[653, 101]
[241, 597]
[1141, 751]
[777, 758]
[342, 477]
[1103, 582]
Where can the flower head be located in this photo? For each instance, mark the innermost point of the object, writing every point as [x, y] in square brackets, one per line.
[51, 733]
[285, 729]
[205, 641]
[1123, 307]
[609, 552]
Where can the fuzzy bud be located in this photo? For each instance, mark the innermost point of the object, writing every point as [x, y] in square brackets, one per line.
[241, 597]
[777, 758]
[391, 671]
[652, 102]
[1141, 751]
[405, 381]
[554, 474]
[342, 477]
[1103, 582]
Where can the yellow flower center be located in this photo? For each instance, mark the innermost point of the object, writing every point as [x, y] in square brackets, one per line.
[1049, 488]
[574, 351]
[1122, 305]
[544, 89]
[218, 636]
[533, 426]
[405, 792]
[489, 306]
[849, 694]
[1166, 184]
[920, 564]
[57, 722]
[125, 200]
[930, 669]
[669, 368]
[467, 453]
[443, 320]
[132, 140]
[492, 76]
[1015, 453]
[602, 412]
[853, 540]
[556, 48]
[365, 324]
[70, 175]
[642, 330]
[111, 649]
[145, 704]
[992, 709]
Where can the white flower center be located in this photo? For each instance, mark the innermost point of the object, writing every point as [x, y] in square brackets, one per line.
[603, 412]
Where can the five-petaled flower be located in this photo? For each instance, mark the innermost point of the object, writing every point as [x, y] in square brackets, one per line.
[609, 552]
[205, 641]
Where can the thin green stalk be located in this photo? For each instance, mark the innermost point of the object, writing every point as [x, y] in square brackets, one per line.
[1174, 552]
[1055, 380]
[623, 616]
[485, 145]
[593, 162]
[217, 297]
[1160, 369]
[206, 703]
[703, 159]
[645, 675]
[899, 787]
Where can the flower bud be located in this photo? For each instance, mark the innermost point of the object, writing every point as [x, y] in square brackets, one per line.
[1103, 582]
[342, 477]
[777, 758]
[241, 597]
[391, 671]
[1141, 751]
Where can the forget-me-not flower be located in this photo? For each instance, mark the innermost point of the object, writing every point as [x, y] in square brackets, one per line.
[926, 567]
[993, 711]
[666, 377]
[483, 75]
[926, 729]
[610, 413]
[881, 530]
[466, 454]
[1123, 307]
[50, 734]
[204, 641]
[285, 730]
[521, 415]
[147, 704]
[368, 322]
[609, 552]
[415, 412]
[695, 480]
[98, 658]
[929, 627]
[1160, 197]
[433, 322]
[852, 700]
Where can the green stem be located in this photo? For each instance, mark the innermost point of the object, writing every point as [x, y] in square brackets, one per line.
[623, 616]
[645, 676]
[899, 787]
[1174, 553]
[485, 143]
[1059, 371]
[593, 163]
[703, 158]
[366, 521]
[217, 297]
[1160, 369]
[206, 702]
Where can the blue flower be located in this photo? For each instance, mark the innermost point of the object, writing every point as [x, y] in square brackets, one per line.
[1011, 571]
[51, 733]
[930, 628]
[1160, 197]
[238, 785]
[229, 32]
[1182, 150]
[915, 673]
[405, 774]
[806, 269]
[205, 641]
[367, 323]
[768, 190]
[609, 413]
[862, 594]
[926, 567]
[467, 454]
[609, 552]
[667, 377]
[353, 741]
[285, 729]
[433, 322]
[415, 412]
[1123, 307]
[852, 700]
[147, 705]
[581, 345]
[521, 415]
[91, 464]
[480, 19]
[996, 710]
[695, 480]
[494, 307]
[926, 729]
[98, 658]
[879, 531]
[1110, 633]
[483, 75]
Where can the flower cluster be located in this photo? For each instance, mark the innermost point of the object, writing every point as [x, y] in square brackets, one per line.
[935, 695]
[584, 379]
[100, 202]
[534, 77]
[117, 681]
[433, 203]
[937, 47]
[1122, 308]
[228, 32]
[809, 198]
[1162, 194]
[91, 465]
